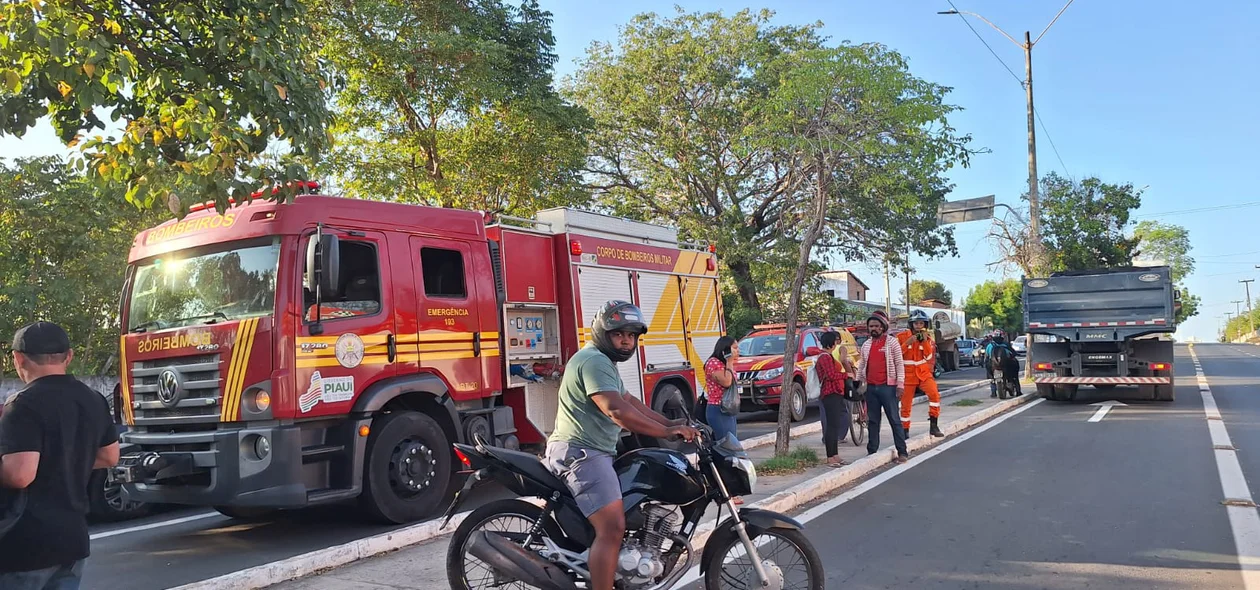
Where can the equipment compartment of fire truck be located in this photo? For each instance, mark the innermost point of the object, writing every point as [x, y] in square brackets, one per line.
[329, 349]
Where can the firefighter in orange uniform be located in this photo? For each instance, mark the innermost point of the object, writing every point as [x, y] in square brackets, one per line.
[918, 346]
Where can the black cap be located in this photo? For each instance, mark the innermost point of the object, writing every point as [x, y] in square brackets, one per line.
[41, 338]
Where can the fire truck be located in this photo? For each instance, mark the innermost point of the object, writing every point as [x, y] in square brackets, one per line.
[331, 349]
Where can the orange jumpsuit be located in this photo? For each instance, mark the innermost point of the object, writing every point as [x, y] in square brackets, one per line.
[920, 361]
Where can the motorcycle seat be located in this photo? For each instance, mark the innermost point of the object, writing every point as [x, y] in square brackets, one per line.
[529, 465]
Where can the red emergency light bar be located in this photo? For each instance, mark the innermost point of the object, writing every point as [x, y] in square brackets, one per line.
[300, 184]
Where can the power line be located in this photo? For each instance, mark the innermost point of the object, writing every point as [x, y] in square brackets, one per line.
[1199, 210]
[986, 43]
[1051, 140]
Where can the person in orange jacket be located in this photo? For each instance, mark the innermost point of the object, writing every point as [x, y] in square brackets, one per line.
[918, 346]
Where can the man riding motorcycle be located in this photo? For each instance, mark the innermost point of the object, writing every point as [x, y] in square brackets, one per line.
[998, 340]
[918, 347]
[594, 407]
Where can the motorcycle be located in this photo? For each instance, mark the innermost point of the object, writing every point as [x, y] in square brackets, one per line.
[544, 544]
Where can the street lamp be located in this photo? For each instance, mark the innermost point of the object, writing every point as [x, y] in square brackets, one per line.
[1034, 206]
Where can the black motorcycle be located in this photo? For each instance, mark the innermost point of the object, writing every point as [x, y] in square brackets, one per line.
[543, 543]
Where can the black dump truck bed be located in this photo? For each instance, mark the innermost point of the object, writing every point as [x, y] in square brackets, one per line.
[1101, 305]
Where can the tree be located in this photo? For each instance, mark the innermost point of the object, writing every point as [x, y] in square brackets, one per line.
[196, 90]
[1082, 227]
[922, 290]
[1169, 244]
[1084, 222]
[450, 103]
[849, 125]
[66, 255]
[691, 128]
[996, 304]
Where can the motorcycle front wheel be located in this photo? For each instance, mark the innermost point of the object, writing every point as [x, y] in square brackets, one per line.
[512, 519]
[790, 561]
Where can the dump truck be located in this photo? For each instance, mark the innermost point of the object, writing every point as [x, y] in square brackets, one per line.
[283, 355]
[1102, 328]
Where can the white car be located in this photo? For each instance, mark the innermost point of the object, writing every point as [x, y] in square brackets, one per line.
[1020, 344]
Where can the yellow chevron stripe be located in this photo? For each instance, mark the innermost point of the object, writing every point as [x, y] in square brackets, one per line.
[378, 359]
[237, 389]
[445, 346]
[128, 415]
[234, 365]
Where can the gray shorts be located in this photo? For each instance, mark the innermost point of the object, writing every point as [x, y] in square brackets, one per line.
[588, 473]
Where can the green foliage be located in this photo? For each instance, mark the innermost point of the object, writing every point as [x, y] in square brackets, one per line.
[195, 90]
[450, 103]
[1171, 244]
[1083, 223]
[966, 403]
[722, 126]
[796, 461]
[64, 256]
[999, 302]
[921, 290]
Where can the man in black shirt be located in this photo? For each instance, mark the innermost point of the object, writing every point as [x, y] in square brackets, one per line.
[52, 435]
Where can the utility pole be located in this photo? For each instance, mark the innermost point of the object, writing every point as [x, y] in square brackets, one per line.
[887, 291]
[907, 287]
[1250, 319]
[1237, 307]
[1034, 205]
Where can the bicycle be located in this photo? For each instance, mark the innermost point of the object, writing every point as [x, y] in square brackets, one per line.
[857, 432]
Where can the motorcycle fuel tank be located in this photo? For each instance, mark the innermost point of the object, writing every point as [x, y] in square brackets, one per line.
[663, 475]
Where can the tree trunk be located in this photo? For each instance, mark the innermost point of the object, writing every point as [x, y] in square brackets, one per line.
[783, 436]
[741, 271]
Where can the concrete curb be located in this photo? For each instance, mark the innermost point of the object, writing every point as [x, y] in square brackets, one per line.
[816, 427]
[306, 564]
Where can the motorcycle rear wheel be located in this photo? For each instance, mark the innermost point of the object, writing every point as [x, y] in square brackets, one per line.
[507, 517]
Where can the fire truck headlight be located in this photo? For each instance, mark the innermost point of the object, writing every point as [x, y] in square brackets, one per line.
[261, 400]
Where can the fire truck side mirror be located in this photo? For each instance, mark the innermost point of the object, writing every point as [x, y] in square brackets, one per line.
[323, 257]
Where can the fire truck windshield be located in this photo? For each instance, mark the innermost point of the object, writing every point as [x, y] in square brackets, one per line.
[183, 288]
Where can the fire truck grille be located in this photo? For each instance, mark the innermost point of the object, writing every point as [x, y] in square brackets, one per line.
[173, 391]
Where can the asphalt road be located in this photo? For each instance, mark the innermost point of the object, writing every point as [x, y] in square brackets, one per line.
[1047, 499]
[188, 545]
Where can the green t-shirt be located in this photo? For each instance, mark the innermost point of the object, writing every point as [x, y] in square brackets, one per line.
[579, 421]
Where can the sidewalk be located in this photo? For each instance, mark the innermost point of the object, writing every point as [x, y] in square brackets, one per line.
[423, 567]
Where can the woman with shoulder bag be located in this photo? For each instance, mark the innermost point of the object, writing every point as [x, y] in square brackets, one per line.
[834, 379]
[718, 377]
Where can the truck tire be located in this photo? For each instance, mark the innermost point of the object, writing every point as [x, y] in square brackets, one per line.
[669, 401]
[799, 405]
[1104, 386]
[1046, 390]
[1066, 392]
[407, 469]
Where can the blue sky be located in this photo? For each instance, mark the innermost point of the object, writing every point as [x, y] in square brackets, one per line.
[1151, 92]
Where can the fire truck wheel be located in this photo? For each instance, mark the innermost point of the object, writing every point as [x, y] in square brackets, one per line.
[408, 468]
[797, 399]
[670, 402]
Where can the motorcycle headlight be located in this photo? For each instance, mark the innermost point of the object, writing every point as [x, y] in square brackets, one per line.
[770, 373]
[746, 465]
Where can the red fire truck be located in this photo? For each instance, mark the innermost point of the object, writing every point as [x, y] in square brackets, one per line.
[328, 349]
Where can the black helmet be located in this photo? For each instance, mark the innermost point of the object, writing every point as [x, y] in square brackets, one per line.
[611, 317]
[918, 315]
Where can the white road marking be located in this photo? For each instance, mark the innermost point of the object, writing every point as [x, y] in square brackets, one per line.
[693, 576]
[1243, 520]
[1102, 411]
[154, 525]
